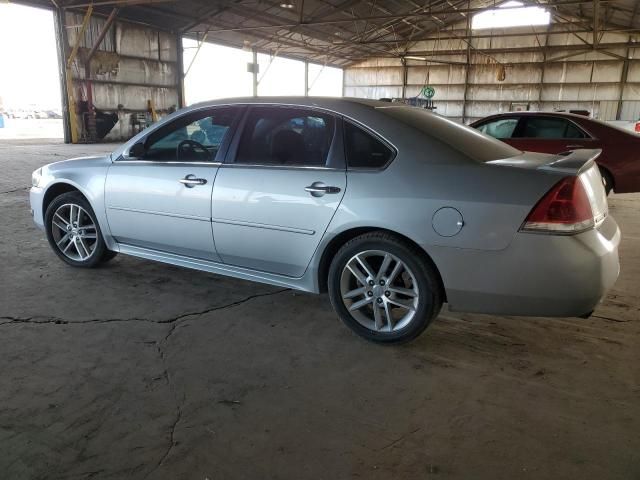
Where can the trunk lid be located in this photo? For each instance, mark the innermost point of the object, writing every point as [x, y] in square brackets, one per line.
[576, 163]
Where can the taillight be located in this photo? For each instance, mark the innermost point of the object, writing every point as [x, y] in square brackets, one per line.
[638, 127]
[564, 209]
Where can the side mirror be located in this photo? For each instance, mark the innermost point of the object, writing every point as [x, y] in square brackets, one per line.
[137, 150]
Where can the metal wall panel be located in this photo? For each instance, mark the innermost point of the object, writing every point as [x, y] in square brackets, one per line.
[134, 65]
[575, 78]
[136, 41]
[631, 110]
[374, 76]
[634, 71]
[74, 22]
[608, 110]
[436, 74]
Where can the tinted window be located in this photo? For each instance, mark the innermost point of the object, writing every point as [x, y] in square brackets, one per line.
[198, 136]
[573, 131]
[286, 136]
[549, 127]
[363, 149]
[502, 128]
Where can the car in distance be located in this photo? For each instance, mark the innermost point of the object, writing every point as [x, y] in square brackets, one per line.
[391, 209]
[632, 126]
[555, 132]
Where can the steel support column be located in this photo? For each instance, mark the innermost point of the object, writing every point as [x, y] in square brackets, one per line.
[255, 71]
[180, 72]
[468, 67]
[405, 73]
[73, 117]
[306, 78]
[623, 82]
[62, 47]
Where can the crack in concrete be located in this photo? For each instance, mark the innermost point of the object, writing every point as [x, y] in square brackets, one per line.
[173, 322]
[610, 319]
[14, 190]
[401, 438]
[11, 320]
[178, 416]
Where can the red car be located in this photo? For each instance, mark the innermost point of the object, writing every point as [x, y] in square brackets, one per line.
[549, 132]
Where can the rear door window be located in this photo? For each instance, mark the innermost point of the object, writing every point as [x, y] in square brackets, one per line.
[550, 128]
[286, 136]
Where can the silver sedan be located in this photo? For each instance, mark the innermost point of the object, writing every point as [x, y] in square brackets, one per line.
[391, 209]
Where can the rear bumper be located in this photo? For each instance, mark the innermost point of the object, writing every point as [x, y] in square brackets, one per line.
[537, 275]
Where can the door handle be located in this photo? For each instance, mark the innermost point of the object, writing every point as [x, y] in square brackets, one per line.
[191, 181]
[315, 188]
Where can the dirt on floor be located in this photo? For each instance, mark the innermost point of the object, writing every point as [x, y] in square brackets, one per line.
[142, 370]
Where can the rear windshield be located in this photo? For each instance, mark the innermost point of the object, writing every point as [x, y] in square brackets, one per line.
[468, 141]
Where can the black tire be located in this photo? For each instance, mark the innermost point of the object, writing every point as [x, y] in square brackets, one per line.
[99, 254]
[420, 274]
[607, 180]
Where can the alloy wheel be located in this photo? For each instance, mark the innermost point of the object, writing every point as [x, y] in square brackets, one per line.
[379, 290]
[74, 232]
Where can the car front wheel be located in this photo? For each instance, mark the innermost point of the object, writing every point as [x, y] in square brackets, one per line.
[73, 231]
[383, 288]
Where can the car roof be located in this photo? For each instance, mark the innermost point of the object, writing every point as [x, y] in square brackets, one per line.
[330, 103]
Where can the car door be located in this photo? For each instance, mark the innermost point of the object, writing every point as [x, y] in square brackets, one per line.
[158, 194]
[550, 134]
[274, 199]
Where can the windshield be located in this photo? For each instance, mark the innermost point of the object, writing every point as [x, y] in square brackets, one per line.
[468, 141]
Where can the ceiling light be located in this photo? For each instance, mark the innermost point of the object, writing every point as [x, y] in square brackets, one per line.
[287, 5]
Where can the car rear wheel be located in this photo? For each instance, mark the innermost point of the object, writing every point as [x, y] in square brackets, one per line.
[383, 288]
[607, 180]
[73, 231]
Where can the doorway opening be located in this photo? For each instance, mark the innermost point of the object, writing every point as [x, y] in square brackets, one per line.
[30, 97]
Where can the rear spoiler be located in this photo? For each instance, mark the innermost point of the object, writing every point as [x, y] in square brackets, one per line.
[573, 162]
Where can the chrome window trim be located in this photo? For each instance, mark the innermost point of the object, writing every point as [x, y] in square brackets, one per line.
[160, 162]
[323, 109]
[196, 108]
[280, 167]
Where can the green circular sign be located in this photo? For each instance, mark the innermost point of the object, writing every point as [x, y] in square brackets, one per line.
[428, 92]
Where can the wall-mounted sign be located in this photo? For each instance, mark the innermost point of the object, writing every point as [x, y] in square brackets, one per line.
[428, 92]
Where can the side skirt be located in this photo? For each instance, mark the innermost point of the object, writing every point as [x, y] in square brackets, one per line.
[301, 283]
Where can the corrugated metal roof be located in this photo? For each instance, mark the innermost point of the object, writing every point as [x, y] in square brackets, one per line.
[341, 32]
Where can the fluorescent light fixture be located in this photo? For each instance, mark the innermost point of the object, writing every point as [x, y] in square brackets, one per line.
[512, 16]
[411, 57]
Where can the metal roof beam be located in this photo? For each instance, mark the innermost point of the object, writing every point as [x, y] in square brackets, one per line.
[420, 14]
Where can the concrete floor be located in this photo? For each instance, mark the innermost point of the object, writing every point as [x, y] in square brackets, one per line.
[143, 370]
